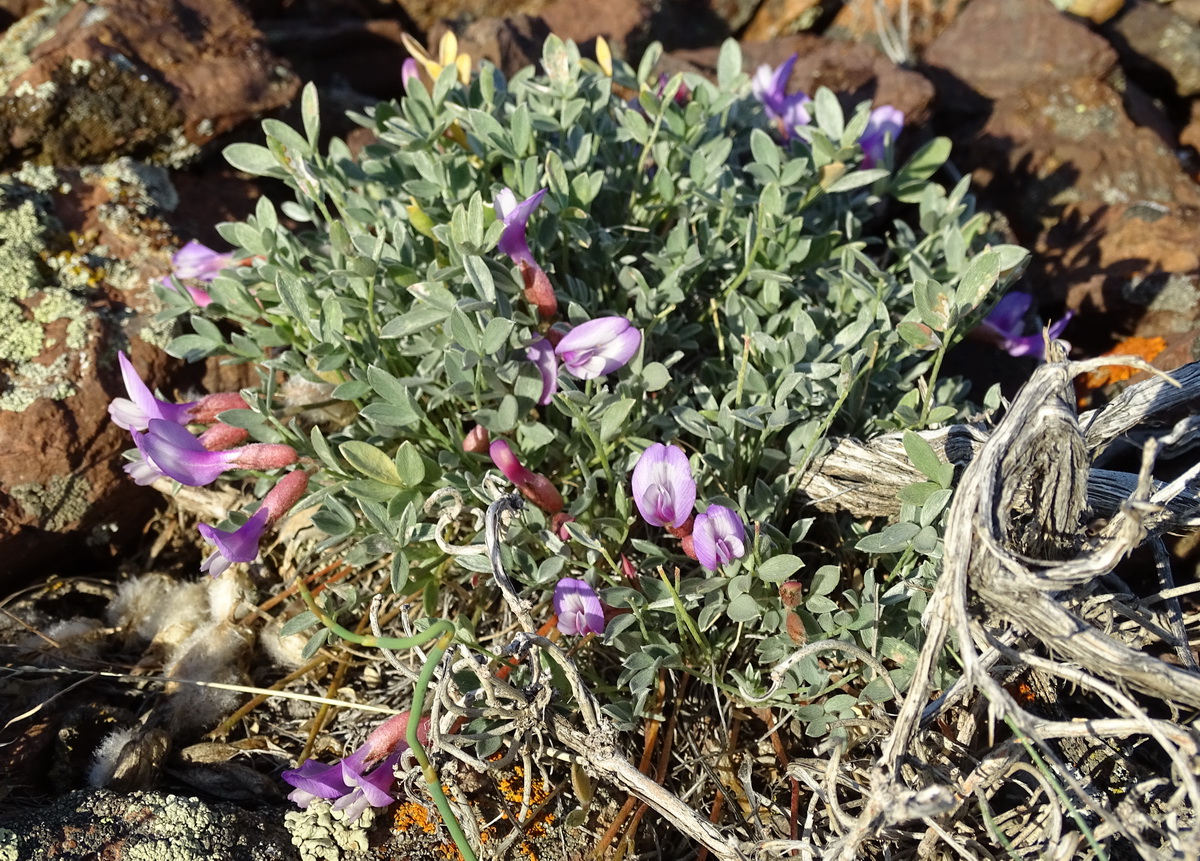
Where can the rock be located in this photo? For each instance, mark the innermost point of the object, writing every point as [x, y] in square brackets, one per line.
[861, 20]
[999, 47]
[782, 18]
[1157, 43]
[1133, 269]
[155, 79]
[140, 825]
[1096, 11]
[78, 252]
[625, 24]
[510, 44]
[427, 13]
[364, 54]
[856, 72]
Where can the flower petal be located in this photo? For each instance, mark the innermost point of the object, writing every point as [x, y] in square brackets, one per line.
[541, 353]
[181, 456]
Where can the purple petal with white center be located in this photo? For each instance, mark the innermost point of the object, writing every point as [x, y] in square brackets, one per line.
[663, 488]
[579, 610]
[884, 122]
[134, 413]
[718, 537]
[541, 353]
[143, 471]
[240, 545]
[598, 347]
[315, 780]
[514, 217]
[181, 456]
[196, 260]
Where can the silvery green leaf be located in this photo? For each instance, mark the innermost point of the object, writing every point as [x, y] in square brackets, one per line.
[827, 112]
[825, 580]
[893, 539]
[729, 64]
[298, 623]
[253, 159]
[310, 114]
[779, 568]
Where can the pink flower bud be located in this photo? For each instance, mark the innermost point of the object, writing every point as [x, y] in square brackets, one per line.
[222, 436]
[476, 440]
[285, 494]
[206, 410]
[263, 455]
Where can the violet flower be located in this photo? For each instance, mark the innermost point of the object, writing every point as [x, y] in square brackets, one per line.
[134, 413]
[199, 262]
[578, 608]
[598, 347]
[718, 537]
[533, 486]
[884, 123]
[663, 488]
[541, 353]
[1003, 325]
[515, 217]
[179, 455]
[348, 780]
[770, 87]
[241, 545]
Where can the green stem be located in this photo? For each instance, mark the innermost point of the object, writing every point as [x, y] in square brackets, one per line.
[947, 336]
[443, 630]
[591, 434]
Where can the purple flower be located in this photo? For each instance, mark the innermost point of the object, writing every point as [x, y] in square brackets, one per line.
[884, 124]
[179, 455]
[533, 485]
[241, 545]
[348, 779]
[409, 72]
[578, 608]
[1004, 324]
[598, 347]
[770, 87]
[143, 470]
[134, 413]
[515, 216]
[663, 488]
[718, 537]
[196, 261]
[541, 353]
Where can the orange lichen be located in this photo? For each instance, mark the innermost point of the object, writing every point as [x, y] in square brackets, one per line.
[1146, 348]
[413, 814]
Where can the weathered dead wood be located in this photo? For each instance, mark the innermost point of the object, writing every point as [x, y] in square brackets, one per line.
[1022, 556]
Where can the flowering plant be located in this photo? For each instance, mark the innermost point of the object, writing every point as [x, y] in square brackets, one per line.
[620, 309]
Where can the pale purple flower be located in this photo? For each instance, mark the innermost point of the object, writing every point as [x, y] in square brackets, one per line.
[179, 455]
[598, 347]
[199, 262]
[515, 216]
[770, 87]
[541, 353]
[134, 413]
[663, 488]
[718, 537]
[409, 72]
[578, 608]
[142, 470]
[883, 125]
[348, 780]
[1004, 324]
[241, 545]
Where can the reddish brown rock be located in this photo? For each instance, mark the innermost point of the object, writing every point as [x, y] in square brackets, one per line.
[427, 13]
[510, 44]
[781, 18]
[862, 20]
[63, 494]
[1132, 269]
[146, 78]
[1155, 42]
[996, 48]
[624, 23]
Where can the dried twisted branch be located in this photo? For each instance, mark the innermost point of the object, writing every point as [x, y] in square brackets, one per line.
[1026, 589]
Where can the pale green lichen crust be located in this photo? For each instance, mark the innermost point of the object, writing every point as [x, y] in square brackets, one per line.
[147, 826]
[47, 277]
[57, 504]
[323, 834]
